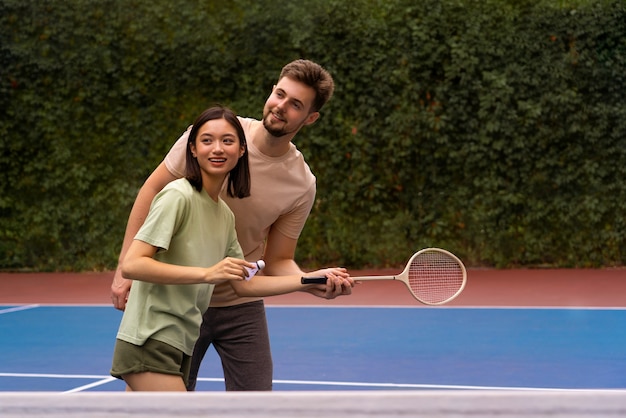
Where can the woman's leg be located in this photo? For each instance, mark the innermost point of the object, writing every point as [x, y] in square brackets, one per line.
[150, 381]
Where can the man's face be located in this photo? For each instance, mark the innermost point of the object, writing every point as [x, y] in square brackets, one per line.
[288, 108]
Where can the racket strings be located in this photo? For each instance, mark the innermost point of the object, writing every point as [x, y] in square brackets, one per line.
[435, 277]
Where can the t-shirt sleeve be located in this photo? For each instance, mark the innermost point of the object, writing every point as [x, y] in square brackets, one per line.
[164, 219]
[176, 157]
[234, 248]
[292, 223]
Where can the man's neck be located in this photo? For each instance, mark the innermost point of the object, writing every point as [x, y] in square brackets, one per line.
[268, 144]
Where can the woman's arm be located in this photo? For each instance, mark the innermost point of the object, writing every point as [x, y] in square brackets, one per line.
[139, 264]
[261, 286]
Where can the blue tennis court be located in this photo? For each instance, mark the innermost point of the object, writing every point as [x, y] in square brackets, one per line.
[68, 348]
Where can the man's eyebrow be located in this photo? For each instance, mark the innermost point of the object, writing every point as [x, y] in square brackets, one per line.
[297, 101]
[293, 99]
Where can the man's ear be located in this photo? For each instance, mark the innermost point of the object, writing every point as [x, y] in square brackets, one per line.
[312, 118]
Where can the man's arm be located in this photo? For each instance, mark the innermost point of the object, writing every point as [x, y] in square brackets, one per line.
[279, 260]
[159, 178]
[279, 255]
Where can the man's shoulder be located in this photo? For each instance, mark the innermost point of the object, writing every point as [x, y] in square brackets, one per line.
[247, 123]
[299, 162]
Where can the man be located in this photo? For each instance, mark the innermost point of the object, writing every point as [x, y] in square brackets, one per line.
[268, 223]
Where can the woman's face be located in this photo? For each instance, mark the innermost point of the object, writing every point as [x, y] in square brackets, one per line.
[217, 147]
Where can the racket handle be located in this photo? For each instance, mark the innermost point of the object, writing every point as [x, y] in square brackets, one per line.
[313, 280]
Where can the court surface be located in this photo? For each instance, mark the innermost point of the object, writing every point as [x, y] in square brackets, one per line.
[530, 330]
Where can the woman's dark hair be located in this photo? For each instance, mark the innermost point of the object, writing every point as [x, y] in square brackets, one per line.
[239, 176]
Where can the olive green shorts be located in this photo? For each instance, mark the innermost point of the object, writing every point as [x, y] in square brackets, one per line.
[153, 356]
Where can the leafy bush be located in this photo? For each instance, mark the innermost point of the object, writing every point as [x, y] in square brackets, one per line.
[496, 129]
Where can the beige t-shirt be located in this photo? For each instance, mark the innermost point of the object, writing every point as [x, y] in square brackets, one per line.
[281, 196]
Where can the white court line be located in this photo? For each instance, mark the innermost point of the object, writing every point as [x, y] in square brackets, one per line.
[55, 376]
[102, 379]
[416, 385]
[92, 385]
[18, 308]
[400, 385]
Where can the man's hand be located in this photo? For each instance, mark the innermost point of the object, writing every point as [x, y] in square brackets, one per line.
[338, 283]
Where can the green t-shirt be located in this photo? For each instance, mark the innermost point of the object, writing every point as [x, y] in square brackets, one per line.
[190, 229]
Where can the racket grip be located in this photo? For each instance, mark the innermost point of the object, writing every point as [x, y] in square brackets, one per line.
[313, 280]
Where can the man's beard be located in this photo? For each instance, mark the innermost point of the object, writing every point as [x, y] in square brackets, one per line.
[277, 132]
[274, 131]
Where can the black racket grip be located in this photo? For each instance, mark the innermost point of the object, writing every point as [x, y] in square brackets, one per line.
[313, 280]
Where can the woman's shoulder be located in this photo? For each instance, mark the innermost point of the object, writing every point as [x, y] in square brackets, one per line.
[177, 189]
[181, 185]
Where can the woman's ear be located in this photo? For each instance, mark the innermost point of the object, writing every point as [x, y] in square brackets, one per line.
[192, 147]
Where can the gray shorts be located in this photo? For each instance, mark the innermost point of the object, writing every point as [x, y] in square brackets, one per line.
[240, 336]
[153, 356]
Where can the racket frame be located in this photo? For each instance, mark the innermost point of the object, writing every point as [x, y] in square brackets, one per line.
[404, 276]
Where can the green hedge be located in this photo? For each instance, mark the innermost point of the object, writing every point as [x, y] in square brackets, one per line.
[496, 129]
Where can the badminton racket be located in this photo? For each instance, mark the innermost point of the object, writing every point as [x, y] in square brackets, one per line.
[433, 276]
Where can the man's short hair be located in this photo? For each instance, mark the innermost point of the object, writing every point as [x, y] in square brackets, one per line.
[314, 76]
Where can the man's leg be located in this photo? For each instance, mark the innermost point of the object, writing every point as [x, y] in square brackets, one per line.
[199, 350]
[241, 339]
